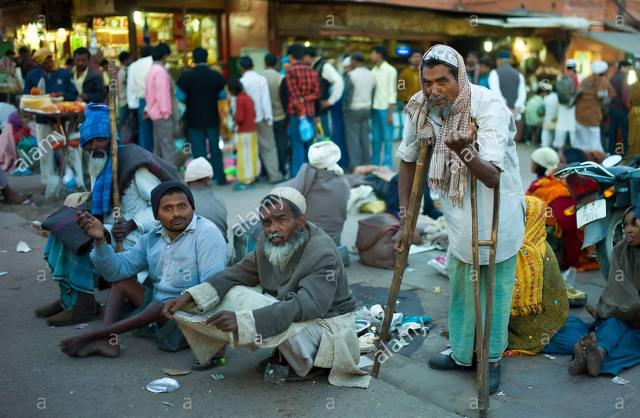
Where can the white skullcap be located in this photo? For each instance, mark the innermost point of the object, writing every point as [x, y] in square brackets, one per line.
[325, 155]
[571, 63]
[547, 158]
[292, 195]
[198, 169]
[346, 62]
[599, 67]
[443, 53]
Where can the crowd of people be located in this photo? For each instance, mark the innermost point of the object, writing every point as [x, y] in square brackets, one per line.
[273, 123]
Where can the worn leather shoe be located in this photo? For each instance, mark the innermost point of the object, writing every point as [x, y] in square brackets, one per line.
[445, 362]
[49, 309]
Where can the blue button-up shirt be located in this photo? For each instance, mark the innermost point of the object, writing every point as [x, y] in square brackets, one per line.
[193, 257]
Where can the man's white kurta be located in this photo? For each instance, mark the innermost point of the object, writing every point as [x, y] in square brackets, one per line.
[495, 139]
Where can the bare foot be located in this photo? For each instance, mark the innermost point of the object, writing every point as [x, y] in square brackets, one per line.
[71, 346]
[593, 355]
[100, 347]
[578, 363]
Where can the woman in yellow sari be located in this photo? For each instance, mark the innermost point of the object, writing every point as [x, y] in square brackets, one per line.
[539, 306]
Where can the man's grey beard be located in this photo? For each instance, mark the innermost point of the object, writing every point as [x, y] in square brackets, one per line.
[95, 166]
[279, 255]
[443, 111]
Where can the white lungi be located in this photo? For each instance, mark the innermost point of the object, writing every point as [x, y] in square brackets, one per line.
[587, 137]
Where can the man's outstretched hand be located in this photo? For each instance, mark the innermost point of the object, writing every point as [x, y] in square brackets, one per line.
[225, 321]
[91, 226]
[171, 307]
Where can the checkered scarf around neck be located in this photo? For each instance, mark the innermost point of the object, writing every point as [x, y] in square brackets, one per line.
[447, 173]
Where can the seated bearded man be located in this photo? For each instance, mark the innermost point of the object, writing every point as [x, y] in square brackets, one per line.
[305, 307]
[180, 253]
[139, 172]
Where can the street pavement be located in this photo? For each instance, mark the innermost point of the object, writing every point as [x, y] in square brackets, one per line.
[37, 379]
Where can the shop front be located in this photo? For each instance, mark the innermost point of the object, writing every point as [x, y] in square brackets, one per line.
[335, 30]
[183, 25]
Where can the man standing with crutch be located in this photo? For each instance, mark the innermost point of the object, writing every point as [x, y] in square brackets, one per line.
[470, 134]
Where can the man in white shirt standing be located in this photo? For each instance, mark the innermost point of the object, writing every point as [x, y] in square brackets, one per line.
[328, 105]
[469, 132]
[257, 88]
[384, 105]
[358, 94]
[274, 80]
[136, 81]
[510, 84]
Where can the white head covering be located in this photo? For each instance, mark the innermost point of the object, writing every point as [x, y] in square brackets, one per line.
[443, 53]
[599, 67]
[198, 169]
[571, 63]
[346, 62]
[292, 195]
[547, 158]
[325, 155]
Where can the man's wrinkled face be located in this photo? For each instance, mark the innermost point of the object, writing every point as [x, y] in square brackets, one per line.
[632, 229]
[440, 87]
[175, 211]
[279, 222]
[98, 146]
[81, 62]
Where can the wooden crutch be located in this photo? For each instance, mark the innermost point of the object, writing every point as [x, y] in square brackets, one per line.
[411, 218]
[483, 333]
[115, 187]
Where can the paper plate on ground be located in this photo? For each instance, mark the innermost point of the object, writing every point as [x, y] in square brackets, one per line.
[164, 385]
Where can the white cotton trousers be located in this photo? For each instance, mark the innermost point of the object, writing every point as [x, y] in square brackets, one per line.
[566, 124]
[587, 137]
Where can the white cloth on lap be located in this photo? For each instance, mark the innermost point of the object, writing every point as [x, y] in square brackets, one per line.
[338, 349]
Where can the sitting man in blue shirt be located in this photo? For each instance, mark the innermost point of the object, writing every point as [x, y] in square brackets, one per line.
[184, 251]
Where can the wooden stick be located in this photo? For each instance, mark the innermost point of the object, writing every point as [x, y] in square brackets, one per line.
[411, 218]
[115, 188]
[483, 331]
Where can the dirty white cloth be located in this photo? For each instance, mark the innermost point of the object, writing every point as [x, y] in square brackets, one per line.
[359, 196]
[337, 348]
[433, 231]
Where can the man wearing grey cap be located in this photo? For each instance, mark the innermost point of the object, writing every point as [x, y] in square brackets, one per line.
[469, 131]
[290, 293]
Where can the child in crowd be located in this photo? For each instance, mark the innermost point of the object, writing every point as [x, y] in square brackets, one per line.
[533, 115]
[245, 136]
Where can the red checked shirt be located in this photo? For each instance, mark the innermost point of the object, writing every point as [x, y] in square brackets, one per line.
[303, 88]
